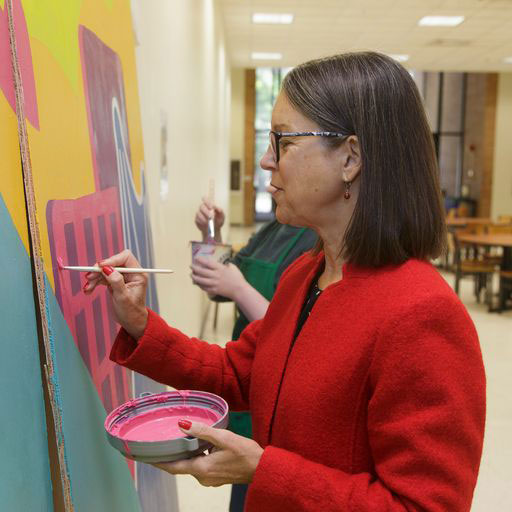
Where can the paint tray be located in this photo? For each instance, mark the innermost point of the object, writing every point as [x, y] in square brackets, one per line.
[128, 425]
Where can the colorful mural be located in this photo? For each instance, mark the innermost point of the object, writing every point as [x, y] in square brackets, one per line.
[84, 137]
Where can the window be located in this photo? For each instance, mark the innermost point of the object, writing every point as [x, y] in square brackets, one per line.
[268, 84]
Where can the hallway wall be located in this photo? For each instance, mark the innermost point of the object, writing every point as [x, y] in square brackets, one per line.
[183, 75]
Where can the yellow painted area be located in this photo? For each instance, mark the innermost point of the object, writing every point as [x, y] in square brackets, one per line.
[11, 182]
[54, 22]
[60, 150]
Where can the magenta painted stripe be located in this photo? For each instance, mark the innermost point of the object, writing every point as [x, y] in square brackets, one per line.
[98, 329]
[72, 256]
[103, 237]
[89, 242]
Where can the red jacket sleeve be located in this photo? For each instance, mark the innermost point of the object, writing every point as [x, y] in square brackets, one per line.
[168, 356]
[426, 415]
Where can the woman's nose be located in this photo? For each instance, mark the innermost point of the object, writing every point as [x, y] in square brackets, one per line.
[267, 161]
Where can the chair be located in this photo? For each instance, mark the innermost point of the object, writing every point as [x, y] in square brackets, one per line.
[505, 289]
[451, 248]
[494, 255]
[448, 258]
[505, 275]
[469, 261]
[451, 213]
[499, 229]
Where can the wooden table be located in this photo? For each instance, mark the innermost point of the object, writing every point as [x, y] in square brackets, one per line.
[497, 240]
[457, 222]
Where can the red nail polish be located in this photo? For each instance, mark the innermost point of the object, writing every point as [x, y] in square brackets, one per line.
[84, 289]
[185, 424]
[107, 270]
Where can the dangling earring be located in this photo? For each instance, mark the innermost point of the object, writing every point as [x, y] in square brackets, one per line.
[347, 189]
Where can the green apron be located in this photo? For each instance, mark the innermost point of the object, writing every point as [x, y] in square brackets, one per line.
[261, 276]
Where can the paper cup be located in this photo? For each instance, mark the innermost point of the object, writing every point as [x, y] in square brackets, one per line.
[219, 252]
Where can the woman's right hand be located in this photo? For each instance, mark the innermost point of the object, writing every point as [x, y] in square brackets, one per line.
[128, 291]
[206, 211]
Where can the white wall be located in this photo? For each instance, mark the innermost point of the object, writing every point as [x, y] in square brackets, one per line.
[501, 202]
[183, 72]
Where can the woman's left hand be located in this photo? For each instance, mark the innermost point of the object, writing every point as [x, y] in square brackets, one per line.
[233, 459]
[217, 278]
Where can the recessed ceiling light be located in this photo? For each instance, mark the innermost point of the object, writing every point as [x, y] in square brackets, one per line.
[400, 57]
[440, 21]
[275, 18]
[507, 60]
[266, 56]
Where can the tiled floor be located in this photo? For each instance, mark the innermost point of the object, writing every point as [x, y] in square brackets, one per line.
[494, 488]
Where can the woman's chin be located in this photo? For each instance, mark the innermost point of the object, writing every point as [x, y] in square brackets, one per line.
[285, 217]
[281, 216]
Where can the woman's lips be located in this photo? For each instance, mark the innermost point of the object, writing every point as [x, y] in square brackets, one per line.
[273, 189]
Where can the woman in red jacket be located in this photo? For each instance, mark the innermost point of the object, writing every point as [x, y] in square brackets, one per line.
[364, 379]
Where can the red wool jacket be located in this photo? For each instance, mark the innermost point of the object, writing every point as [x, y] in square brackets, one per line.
[378, 406]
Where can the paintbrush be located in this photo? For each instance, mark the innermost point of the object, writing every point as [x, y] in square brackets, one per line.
[211, 223]
[122, 270]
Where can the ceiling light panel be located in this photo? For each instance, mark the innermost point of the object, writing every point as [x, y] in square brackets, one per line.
[266, 56]
[399, 57]
[272, 18]
[440, 21]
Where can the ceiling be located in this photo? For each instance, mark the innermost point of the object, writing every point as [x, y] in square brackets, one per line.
[325, 27]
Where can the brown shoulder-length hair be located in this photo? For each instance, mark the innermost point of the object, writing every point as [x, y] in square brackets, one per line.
[399, 213]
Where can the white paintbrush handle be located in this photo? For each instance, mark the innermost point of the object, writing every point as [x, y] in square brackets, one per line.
[122, 270]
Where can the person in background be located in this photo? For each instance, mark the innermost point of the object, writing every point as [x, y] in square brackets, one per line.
[250, 280]
[364, 379]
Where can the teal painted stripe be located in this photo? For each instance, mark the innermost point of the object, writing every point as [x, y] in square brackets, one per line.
[99, 475]
[25, 482]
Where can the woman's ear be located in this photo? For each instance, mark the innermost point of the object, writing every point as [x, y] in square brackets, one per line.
[351, 161]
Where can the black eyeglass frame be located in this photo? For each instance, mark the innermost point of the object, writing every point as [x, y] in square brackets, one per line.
[279, 135]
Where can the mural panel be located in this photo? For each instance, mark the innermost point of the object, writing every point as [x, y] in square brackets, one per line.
[84, 136]
[24, 434]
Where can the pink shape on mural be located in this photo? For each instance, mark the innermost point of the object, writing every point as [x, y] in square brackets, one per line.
[83, 231]
[25, 61]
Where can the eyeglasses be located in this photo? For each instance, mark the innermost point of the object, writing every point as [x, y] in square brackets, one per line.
[275, 137]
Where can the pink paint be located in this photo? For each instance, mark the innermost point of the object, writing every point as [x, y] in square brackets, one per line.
[25, 62]
[127, 448]
[184, 394]
[161, 424]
